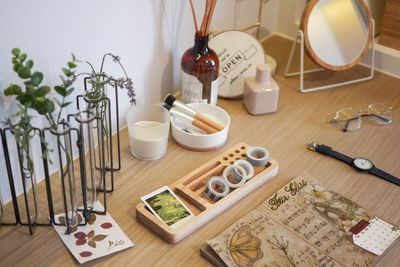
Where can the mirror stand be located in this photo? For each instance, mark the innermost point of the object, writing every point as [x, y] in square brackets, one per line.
[300, 36]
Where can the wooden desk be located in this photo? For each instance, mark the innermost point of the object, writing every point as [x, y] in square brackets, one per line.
[301, 118]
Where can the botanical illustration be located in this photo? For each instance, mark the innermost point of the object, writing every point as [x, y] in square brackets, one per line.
[101, 236]
[168, 207]
[335, 208]
[245, 247]
[281, 244]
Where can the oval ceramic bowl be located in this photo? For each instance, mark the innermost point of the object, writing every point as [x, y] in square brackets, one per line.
[186, 136]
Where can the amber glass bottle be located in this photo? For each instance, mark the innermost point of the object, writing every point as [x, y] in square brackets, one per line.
[199, 75]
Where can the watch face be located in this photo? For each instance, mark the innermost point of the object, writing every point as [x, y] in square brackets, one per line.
[363, 164]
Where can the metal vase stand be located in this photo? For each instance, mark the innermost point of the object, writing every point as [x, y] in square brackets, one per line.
[91, 137]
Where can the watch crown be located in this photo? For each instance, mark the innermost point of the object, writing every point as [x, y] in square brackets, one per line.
[312, 146]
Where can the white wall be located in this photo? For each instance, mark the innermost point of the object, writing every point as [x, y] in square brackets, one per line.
[150, 36]
[289, 13]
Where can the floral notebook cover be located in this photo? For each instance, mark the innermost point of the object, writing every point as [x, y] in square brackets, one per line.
[302, 224]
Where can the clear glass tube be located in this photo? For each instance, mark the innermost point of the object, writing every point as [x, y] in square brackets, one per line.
[28, 177]
[99, 107]
[88, 128]
[66, 173]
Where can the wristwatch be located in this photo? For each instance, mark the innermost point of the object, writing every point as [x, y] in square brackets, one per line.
[360, 164]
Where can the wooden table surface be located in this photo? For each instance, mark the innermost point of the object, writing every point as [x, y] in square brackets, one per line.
[300, 119]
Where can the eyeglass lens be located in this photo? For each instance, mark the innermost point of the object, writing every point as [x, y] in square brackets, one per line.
[380, 113]
[349, 119]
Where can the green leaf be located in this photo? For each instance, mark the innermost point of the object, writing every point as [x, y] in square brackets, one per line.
[60, 90]
[25, 100]
[15, 51]
[69, 91]
[42, 91]
[24, 73]
[13, 89]
[50, 106]
[22, 57]
[67, 72]
[37, 78]
[30, 89]
[39, 100]
[65, 104]
[73, 57]
[72, 65]
[16, 67]
[29, 64]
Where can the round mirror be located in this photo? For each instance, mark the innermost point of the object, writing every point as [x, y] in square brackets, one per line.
[337, 33]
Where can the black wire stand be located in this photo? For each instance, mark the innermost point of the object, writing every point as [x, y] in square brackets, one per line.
[93, 171]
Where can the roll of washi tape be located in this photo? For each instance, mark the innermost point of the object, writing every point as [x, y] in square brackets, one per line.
[230, 176]
[257, 156]
[246, 166]
[217, 188]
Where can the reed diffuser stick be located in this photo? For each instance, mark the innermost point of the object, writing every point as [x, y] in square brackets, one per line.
[194, 15]
[206, 21]
[212, 7]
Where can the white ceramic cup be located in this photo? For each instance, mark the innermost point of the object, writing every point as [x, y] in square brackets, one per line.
[148, 127]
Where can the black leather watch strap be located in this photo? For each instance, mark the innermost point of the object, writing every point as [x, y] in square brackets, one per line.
[388, 177]
[327, 150]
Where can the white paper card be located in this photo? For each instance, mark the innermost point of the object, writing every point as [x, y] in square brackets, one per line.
[100, 237]
[377, 236]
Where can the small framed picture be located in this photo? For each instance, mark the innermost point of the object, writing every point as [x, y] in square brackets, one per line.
[167, 207]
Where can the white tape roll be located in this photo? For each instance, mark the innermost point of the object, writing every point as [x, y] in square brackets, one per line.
[216, 182]
[257, 156]
[249, 169]
[231, 176]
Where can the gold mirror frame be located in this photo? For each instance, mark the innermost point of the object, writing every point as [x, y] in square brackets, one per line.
[312, 53]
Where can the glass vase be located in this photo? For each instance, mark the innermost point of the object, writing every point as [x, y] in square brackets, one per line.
[92, 148]
[100, 108]
[199, 75]
[28, 176]
[65, 162]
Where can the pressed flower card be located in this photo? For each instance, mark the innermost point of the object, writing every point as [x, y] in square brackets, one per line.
[100, 237]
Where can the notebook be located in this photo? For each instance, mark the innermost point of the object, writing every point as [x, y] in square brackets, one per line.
[302, 224]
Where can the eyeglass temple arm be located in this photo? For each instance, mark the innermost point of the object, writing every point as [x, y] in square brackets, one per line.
[346, 126]
[378, 116]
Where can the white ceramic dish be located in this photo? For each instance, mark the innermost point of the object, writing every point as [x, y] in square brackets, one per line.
[198, 141]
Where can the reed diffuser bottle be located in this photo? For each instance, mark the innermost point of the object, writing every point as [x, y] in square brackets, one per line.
[200, 65]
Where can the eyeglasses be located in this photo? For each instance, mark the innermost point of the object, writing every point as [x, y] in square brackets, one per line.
[349, 119]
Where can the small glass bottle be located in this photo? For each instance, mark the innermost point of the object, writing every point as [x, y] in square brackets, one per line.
[199, 75]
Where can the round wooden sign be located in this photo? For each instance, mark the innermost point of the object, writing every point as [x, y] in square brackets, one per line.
[239, 54]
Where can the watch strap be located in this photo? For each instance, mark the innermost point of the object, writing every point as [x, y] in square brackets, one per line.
[382, 174]
[327, 150]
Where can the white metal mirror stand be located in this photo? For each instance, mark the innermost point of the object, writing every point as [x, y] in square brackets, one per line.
[300, 36]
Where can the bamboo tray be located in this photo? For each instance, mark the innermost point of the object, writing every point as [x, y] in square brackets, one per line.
[190, 189]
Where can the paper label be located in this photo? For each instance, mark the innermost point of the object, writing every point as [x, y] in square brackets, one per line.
[214, 91]
[192, 89]
[377, 236]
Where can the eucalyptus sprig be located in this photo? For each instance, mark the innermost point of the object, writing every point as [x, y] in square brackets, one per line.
[35, 95]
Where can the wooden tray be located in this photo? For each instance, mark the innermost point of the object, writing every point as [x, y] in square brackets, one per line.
[190, 189]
